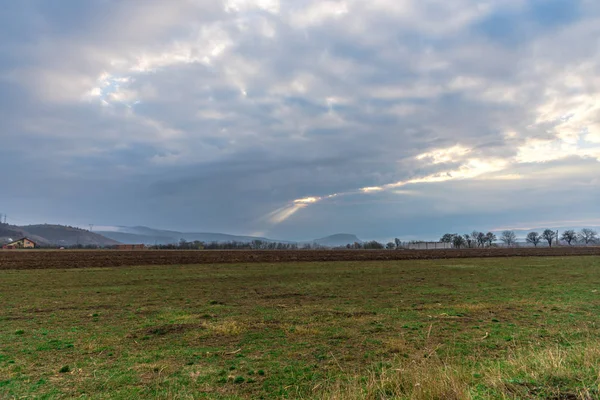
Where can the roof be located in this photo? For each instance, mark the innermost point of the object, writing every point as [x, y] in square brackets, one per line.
[25, 238]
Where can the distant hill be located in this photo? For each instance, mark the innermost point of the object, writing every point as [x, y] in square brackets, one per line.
[132, 238]
[340, 239]
[149, 236]
[60, 235]
[9, 233]
[56, 235]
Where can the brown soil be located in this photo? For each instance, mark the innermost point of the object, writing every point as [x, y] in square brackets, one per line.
[38, 259]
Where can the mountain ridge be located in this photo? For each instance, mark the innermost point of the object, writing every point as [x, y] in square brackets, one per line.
[337, 240]
[54, 235]
[62, 235]
[151, 236]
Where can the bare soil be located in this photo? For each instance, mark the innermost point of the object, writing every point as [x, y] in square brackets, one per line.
[41, 259]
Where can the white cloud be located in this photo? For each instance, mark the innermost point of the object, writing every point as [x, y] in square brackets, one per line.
[271, 6]
[593, 134]
[440, 156]
[372, 189]
[318, 13]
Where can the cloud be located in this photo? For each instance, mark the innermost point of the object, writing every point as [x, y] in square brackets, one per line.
[280, 117]
[318, 13]
[271, 6]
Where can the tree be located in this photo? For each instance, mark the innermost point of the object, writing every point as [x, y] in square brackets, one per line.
[480, 238]
[490, 238]
[373, 245]
[475, 238]
[549, 235]
[448, 238]
[509, 238]
[534, 238]
[391, 246]
[458, 241]
[398, 243]
[588, 236]
[470, 242]
[569, 236]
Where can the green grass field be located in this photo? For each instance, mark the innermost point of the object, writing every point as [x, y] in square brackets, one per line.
[444, 329]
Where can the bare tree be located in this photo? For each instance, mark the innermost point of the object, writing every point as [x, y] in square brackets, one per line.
[534, 238]
[470, 242]
[448, 238]
[569, 236]
[373, 245]
[458, 241]
[588, 236]
[490, 238]
[480, 238]
[509, 238]
[398, 243]
[549, 235]
[391, 246]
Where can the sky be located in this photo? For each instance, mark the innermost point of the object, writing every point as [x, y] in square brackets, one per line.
[299, 119]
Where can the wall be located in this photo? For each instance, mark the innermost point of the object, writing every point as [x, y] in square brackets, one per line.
[429, 246]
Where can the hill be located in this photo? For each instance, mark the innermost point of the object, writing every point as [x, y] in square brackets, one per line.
[338, 240]
[150, 236]
[60, 235]
[8, 233]
[54, 235]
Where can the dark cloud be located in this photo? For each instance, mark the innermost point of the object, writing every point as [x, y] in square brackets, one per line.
[214, 115]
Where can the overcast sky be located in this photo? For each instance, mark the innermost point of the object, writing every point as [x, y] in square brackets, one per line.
[298, 119]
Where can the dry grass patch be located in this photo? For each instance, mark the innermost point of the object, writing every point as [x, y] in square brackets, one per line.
[226, 328]
[474, 307]
[427, 379]
[555, 372]
[569, 373]
[395, 345]
[302, 330]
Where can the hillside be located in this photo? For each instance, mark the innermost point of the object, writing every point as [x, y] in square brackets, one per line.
[132, 238]
[8, 233]
[149, 236]
[59, 235]
[340, 239]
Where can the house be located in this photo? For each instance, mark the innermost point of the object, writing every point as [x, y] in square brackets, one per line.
[23, 243]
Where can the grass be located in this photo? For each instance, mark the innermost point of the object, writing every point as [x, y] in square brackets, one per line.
[523, 328]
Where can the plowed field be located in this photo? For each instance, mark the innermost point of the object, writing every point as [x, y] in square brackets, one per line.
[38, 259]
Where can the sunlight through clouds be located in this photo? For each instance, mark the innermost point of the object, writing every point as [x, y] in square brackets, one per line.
[243, 115]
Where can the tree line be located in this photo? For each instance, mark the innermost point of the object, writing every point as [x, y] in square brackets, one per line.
[267, 245]
[585, 236]
[509, 238]
[233, 245]
[469, 240]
